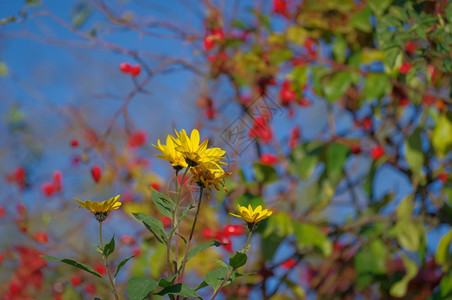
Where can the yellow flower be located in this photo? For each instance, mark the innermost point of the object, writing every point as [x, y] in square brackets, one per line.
[101, 209]
[170, 153]
[252, 216]
[206, 177]
[196, 154]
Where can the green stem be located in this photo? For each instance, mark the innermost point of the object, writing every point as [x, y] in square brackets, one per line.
[244, 250]
[187, 248]
[107, 266]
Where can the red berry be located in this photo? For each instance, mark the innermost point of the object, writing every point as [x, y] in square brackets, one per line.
[268, 159]
[127, 239]
[280, 7]
[217, 34]
[21, 209]
[125, 67]
[41, 237]
[226, 240]
[377, 151]
[2, 258]
[135, 70]
[136, 251]
[286, 94]
[356, 149]
[443, 177]
[76, 280]
[96, 173]
[137, 138]
[74, 143]
[211, 113]
[166, 221]
[410, 47]
[366, 123]
[208, 42]
[208, 233]
[428, 100]
[47, 189]
[14, 288]
[2, 211]
[223, 56]
[19, 174]
[212, 58]
[405, 68]
[289, 264]
[305, 102]
[404, 102]
[234, 230]
[90, 288]
[100, 268]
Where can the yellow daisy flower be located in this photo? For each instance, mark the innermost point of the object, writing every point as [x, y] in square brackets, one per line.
[101, 209]
[206, 177]
[170, 153]
[195, 153]
[252, 216]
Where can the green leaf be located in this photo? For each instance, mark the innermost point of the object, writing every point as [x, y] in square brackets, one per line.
[269, 245]
[379, 6]
[109, 247]
[302, 162]
[6, 21]
[202, 247]
[361, 20]
[164, 204]
[308, 235]
[264, 173]
[399, 288]
[340, 49]
[122, 264]
[239, 259]
[336, 157]
[179, 289]
[74, 263]
[414, 154]
[442, 137]
[337, 85]
[393, 58]
[442, 256]
[153, 225]
[376, 86]
[215, 277]
[139, 287]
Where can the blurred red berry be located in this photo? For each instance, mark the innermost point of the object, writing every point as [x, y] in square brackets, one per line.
[208, 42]
[226, 240]
[166, 221]
[404, 102]
[57, 180]
[41, 237]
[127, 239]
[2, 211]
[208, 233]
[441, 105]
[410, 47]
[76, 280]
[366, 123]
[211, 113]
[356, 149]
[135, 70]
[136, 251]
[303, 101]
[47, 189]
[223, 56]
[14, 287]
[289, 264]
[294, 138]
[21, 209]
[57, 296]
[100, 268]
[217, 34]
[125, 67]
[286, 94]
[2, 258]
[261, 129]
[137, 138]
[268, 159]
[19, 174]
[74, 143]
[405, 68]
[90, 288]
[96, 173]
[443, 177]
[234, 230]
[280, 7]
[377, 151]
[428, 100]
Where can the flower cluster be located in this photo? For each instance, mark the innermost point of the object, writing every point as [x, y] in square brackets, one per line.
[205, 164]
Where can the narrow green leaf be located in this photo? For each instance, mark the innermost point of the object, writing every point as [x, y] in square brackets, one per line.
[122, 264]
[379, 6]
[179, 289]
[340, 49]
[193, 252]
[264, 173]
[215, 277]
[442, 255]
[337, 85]
[153, 225]
[109, 247]
[139, 287]
[164, 204]
[184, 213]
[361, 20]
[376, 86]
[309, 235]
[442, 139]
[74, 263]
[239, 259]
[414, 154]
[337, 155]
[399, 288]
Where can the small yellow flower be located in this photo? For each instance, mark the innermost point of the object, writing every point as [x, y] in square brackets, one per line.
[101, 209]
[170, 153]
[206, 177]
[252, 216]
[196, 154]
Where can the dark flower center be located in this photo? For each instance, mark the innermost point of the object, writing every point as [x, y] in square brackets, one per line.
[101, 216]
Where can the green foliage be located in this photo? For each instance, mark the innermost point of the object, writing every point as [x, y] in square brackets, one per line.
[164, 204]
[109, 248]
[308, 235]
[139, 287]
[153, 225]
[74, 263]
[238, 260]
